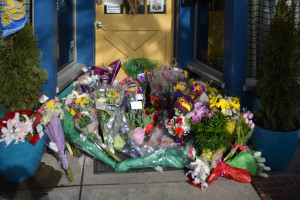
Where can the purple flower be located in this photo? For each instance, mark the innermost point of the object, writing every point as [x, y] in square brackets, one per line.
[141, 89]
[142, 78]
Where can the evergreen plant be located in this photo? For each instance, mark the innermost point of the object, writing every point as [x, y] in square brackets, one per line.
[278, 88]
[21, 75]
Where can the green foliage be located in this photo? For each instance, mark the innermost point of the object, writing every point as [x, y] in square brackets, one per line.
[278, 87]
[138, 118]
[211, 133]
[21, 77]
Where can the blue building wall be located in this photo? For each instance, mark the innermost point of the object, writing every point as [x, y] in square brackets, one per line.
[45, 22]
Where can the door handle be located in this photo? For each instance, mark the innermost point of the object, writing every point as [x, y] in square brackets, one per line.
[99, 2]
[99, 25]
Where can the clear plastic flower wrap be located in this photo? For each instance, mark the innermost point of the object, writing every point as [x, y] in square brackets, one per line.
[161, 80]
[74, 136]
[107, 101]
[86, 83]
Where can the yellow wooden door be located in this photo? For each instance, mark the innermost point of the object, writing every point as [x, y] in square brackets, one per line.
[125, 36]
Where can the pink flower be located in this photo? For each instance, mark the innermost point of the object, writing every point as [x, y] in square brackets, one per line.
[251, 115]
[245, 115]
[252, 126]
[246, 121]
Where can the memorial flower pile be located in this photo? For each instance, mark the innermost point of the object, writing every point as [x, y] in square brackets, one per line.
[158, 118]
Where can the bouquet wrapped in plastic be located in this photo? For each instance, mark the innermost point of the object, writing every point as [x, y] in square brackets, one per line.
[161, 80]
[74, 136]
[139, 65]
[107, 74]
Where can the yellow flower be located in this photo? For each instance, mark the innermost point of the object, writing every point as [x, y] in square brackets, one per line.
[78, 101]
[212, 90]
[5, 22]
[223, 104]
[213, 101]
[207, 154]
[235, 103]
[179, 86]
[186, 73]
[51, 104]
[230, 126]
[83, 102]
[12, 11]
[73, 112]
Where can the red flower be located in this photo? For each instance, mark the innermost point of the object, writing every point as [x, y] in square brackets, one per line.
[170, 124]
[179, 120]
[33, 138]
[179, 131]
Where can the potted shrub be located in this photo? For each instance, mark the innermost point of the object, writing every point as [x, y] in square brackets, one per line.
[21, 82]
[276, 133]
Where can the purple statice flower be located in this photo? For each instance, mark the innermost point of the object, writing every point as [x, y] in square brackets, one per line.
[141, 89]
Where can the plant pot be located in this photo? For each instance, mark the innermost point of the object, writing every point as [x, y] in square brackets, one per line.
[20, 161]
[277, 147]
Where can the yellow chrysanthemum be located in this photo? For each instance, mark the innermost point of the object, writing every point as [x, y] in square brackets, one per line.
[78, 101]
[179, 86]
[230, 126]
[51, 104]
[83, 102]
[207, 154]
[73, 112]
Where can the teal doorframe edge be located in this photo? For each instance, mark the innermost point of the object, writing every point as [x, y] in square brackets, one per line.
[235, 46]
[46, 30]
[45, 23]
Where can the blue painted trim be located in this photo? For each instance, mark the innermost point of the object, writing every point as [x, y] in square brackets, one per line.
[186, 28]
[85, 32]
[235, 46]
[46, 30]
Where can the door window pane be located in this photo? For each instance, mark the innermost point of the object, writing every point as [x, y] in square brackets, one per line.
[210, 33]
[65, 33]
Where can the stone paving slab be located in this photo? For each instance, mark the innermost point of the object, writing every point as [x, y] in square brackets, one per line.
[65, 193]
[220, 189]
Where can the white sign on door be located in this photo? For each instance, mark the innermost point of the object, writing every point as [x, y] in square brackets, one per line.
[113, 6]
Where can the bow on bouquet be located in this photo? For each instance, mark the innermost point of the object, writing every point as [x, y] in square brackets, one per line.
[52, 112]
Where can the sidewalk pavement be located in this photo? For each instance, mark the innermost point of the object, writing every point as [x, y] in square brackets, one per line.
[50, 182]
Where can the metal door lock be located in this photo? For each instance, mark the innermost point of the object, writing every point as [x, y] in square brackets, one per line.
[99, 2]
[99, 25]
